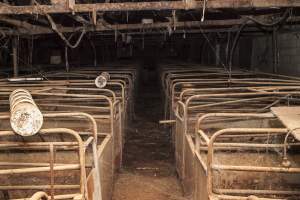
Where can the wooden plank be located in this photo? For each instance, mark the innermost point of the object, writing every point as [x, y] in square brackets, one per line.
[290, 117]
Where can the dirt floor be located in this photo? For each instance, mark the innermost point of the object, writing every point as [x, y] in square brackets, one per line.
[148, 172]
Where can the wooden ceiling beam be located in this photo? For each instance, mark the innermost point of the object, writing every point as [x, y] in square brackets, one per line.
[100, 27]
[159, 5]
[27, 28]
[127, 27]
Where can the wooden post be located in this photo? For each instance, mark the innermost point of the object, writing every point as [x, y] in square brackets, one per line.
[15, 44]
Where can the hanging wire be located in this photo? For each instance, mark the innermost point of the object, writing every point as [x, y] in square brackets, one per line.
[55, 29]
[212, 47]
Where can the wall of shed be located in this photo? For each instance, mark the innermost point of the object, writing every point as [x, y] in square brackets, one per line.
[252, 52]
[289, 51]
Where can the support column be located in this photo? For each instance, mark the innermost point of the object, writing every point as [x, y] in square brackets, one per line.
[67, 59]
[275, 51]
[218, 54]
[15, 44]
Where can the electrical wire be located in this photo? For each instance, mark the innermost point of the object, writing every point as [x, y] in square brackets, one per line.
[235, 41]
[284, 17]
[211, 46]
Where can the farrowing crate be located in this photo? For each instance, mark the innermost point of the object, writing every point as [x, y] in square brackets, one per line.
[105, 110]
[191, 93]
[187, 114]
[107, 106]
[59, 163]
[246, 156]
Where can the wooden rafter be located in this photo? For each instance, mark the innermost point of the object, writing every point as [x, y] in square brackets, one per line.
[23, 27]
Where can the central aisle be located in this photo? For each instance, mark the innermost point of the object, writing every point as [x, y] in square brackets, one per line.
[148, 172]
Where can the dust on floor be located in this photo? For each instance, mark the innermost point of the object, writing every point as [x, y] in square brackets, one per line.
[148, 172]
[132, 186]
